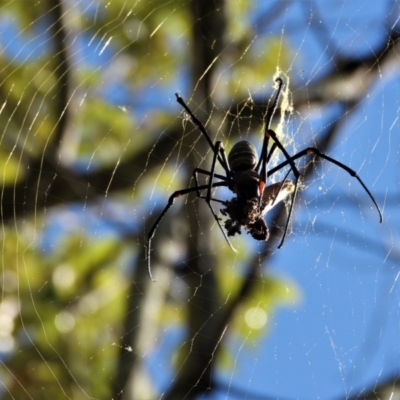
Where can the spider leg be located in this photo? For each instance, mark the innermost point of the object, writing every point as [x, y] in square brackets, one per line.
[202, 171]
[265, 156]
[290, 161]
[268, 119]
[353, 173]
[313, 150]
[222, 160]
[273, 147]
[217, 149]
[171, 201]
[197, 171]
[263, 159]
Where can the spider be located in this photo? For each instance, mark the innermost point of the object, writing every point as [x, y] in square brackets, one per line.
[246, 176]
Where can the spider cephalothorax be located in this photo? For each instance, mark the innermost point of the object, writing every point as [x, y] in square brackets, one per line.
[246, 176]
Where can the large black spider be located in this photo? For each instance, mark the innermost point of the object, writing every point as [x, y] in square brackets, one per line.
[246, 176]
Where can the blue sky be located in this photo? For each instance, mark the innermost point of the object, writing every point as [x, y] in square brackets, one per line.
[343, 335]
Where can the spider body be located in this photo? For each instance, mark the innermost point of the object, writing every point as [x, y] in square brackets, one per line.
[253, 199]
[246, 176]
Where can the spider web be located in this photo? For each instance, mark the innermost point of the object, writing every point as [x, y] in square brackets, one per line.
[93, 144]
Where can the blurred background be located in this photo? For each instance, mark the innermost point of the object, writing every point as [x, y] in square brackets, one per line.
[92, 145]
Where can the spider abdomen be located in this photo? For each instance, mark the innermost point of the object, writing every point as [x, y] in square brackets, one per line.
[243, 156]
